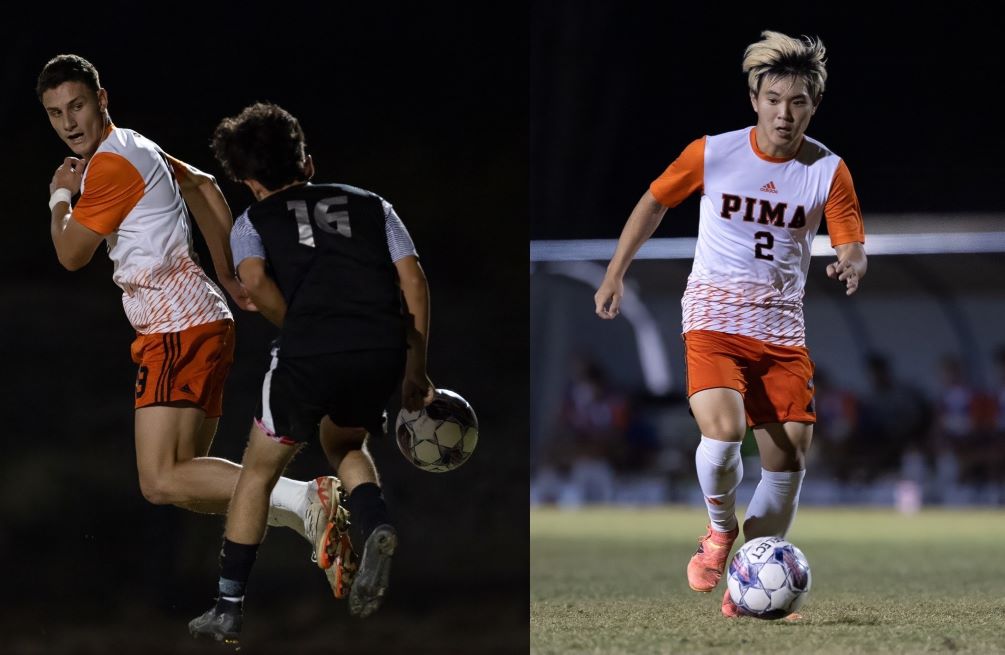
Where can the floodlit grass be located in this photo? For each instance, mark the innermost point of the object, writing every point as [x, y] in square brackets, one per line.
[612, 581]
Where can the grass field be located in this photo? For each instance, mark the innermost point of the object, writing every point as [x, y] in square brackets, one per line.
[612, 581]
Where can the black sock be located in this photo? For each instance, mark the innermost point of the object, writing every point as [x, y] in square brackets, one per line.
[236, 561]
[366, 511]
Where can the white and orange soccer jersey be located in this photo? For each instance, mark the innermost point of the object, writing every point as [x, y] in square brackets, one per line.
[757, 220]
[130, 195]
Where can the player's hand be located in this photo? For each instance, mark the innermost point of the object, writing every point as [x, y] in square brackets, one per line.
[238, 292]
[608, 297]
[844, 272]
[68, 175]
[417, 390]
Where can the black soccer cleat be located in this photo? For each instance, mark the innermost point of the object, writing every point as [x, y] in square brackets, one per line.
[370, 582]
[221, 625]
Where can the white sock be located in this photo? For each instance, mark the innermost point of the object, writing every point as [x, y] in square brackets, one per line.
[290, 495]
[720, 470]
[773, 507]
[288, 505]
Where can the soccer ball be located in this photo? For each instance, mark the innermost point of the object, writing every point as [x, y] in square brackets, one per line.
[441, 436]
[768, 578]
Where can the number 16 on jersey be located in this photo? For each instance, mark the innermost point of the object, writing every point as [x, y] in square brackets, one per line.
[327, 216]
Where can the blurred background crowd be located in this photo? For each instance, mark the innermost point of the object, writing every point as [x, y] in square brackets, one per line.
[880, 444]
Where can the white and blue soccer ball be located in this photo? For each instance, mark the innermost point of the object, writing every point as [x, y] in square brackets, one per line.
[441, 436]
[769, 578]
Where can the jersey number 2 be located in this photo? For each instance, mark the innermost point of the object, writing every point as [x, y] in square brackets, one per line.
[333, 221]
[760, 248]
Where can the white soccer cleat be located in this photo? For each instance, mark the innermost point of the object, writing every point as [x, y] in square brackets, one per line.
[323, 499]
[284, 518]
[327, 527]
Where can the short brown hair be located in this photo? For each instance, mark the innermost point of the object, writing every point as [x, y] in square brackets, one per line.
[264, 143]
[67, 68]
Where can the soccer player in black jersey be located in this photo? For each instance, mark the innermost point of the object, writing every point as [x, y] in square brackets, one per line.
[329, 264]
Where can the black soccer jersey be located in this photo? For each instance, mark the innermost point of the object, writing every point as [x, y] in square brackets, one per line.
[326, 247]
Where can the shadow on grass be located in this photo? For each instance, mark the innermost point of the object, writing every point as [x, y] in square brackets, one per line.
[851, 620]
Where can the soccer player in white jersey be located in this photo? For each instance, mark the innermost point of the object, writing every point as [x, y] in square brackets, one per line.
[763, 191]
[133, 196]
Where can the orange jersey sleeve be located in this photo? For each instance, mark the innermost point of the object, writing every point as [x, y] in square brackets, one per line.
[113, 188]
[842, 212]
[683, 177]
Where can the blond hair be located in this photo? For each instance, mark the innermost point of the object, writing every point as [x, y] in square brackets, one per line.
[779, 55]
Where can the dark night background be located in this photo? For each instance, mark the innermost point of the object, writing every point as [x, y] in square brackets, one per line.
[618, 90]
[426, 106]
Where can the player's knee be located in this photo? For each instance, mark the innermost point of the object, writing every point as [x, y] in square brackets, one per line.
[788, 459]
[255, 469]
[724, 428]
[260, 472]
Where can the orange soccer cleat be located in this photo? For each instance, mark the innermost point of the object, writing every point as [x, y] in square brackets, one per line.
[343, 569]
[729, 608]
[708, 562]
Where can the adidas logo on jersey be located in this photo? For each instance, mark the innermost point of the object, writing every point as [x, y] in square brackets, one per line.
[769, 188]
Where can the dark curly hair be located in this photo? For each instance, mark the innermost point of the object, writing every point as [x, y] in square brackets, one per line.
[263, 143]
[67, 68]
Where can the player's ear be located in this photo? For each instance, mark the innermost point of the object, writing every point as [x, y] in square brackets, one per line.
[102, 100]
[308, 167]
[753, 100]
[817, 101]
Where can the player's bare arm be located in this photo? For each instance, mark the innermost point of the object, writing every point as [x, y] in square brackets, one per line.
[850, 266]
[74, 243]
[641, 224]
[262, 290]
[213, 216]
[417, 390]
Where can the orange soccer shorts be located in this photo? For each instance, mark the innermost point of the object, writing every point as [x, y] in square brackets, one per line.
[776, 382]
[190, 365]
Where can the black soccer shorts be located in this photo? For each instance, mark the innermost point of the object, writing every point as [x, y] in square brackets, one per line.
[351, 388]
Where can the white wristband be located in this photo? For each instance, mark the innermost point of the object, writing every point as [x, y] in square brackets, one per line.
[62, 194]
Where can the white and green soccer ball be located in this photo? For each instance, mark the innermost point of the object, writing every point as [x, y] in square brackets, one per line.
[441, 436]
[769, 578]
